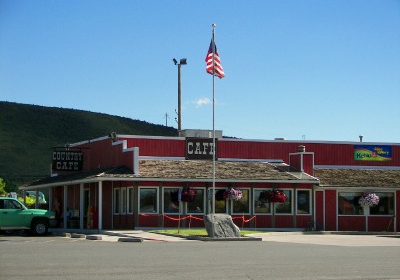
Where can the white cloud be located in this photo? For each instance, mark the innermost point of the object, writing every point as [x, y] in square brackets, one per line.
[202, 102]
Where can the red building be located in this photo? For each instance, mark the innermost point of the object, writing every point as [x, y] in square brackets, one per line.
[128, 181]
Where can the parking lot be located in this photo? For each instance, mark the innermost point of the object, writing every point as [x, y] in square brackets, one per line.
[277, 256]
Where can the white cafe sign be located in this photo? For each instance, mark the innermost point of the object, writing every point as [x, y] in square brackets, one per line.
[200, 148]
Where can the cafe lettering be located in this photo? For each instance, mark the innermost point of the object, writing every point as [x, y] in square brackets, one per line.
[200, 148]
[67, 160]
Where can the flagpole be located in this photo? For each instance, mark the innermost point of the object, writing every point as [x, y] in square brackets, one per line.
[213, 67]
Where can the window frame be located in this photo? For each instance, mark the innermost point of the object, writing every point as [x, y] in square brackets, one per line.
[204, 203]
[249, 202]
[353, 214]
[163, 201]
[157, 200]
[254, 201]
[394, 204]
[124, 201]
[117, 199]
[291, 203]
[130, 196]
[213, 197]
[309, 202]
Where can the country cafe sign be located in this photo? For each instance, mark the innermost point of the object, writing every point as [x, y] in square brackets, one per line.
[66, 160]
[372, 153]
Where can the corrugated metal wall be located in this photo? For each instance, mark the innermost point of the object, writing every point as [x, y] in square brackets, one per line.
[328, 153]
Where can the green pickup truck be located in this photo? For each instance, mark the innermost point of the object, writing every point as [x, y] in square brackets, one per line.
[15, 216]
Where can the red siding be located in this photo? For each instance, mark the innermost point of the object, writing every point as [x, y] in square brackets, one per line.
[73, 197]
[103, 154]
[397, 213]
[123, 221]
[308, 163]
[171, 220]
[303, 221]
[284, 221]
[148, 220]
[159, 147]
[195, 221]
[319, 206]
[107, 205]
[328, 153]
[263, 221]
[295, 161]
[351, 223]
[330, 210]
[324, 153]
[376, 223]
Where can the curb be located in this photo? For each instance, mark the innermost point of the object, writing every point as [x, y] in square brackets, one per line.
[224, 238]
[205, 238]
[94, 237]
[77, 235]
[130, 239]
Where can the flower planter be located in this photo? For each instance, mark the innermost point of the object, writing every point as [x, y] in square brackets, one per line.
[188, 194]
[233, 194]
[368, 199]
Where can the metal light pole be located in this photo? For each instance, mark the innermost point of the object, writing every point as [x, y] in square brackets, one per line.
[181, 62]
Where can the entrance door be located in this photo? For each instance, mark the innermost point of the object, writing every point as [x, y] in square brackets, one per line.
[86, 203]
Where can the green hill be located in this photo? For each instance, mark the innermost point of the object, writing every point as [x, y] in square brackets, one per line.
[28, 134]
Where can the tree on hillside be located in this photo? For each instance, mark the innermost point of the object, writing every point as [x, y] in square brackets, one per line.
[2, 187]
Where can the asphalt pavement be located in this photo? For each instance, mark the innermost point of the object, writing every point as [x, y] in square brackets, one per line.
[278, 255]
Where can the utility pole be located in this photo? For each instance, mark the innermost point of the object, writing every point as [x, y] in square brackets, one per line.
[182, 61]
[166, 119]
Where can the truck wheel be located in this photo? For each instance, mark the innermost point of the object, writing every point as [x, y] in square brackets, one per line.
[40, 227]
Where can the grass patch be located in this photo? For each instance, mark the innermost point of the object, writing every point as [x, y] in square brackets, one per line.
[200, 232]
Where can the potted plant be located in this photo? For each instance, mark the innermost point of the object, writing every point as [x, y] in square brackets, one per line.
[369, 199]
[233, 194]
[277, 196]
[188, 194]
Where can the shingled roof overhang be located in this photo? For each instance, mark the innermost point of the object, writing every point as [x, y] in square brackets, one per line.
[183, 171]
[358, 178]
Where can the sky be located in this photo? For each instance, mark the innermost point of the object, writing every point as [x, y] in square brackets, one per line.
[296, 69]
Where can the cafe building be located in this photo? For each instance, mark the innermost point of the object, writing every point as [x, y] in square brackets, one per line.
[139, 182]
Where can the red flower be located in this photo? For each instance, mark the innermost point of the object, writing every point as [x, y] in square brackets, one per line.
[188, 194]
[277, 196]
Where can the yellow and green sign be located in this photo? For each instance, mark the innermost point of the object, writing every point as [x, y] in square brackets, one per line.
[372, 153]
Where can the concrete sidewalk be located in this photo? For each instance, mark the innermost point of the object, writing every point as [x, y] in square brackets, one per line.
[145, 235]
[316, 238]
[118, 235]
[332, 238]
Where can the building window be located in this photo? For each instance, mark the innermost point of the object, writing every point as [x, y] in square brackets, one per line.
[148, 200]
[242, 206]
[261, 203]
[286, 207]
[117, 199]
[220, 201]
[130, 200]
[348, 203]
[303, 202]
[123, 201]
[86, 201]
[197, 206]
[385, 206]
[170, 200]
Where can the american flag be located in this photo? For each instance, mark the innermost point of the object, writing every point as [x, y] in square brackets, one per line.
[218, 71]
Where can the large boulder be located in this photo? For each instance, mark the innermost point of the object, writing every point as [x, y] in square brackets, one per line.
[220, 225]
